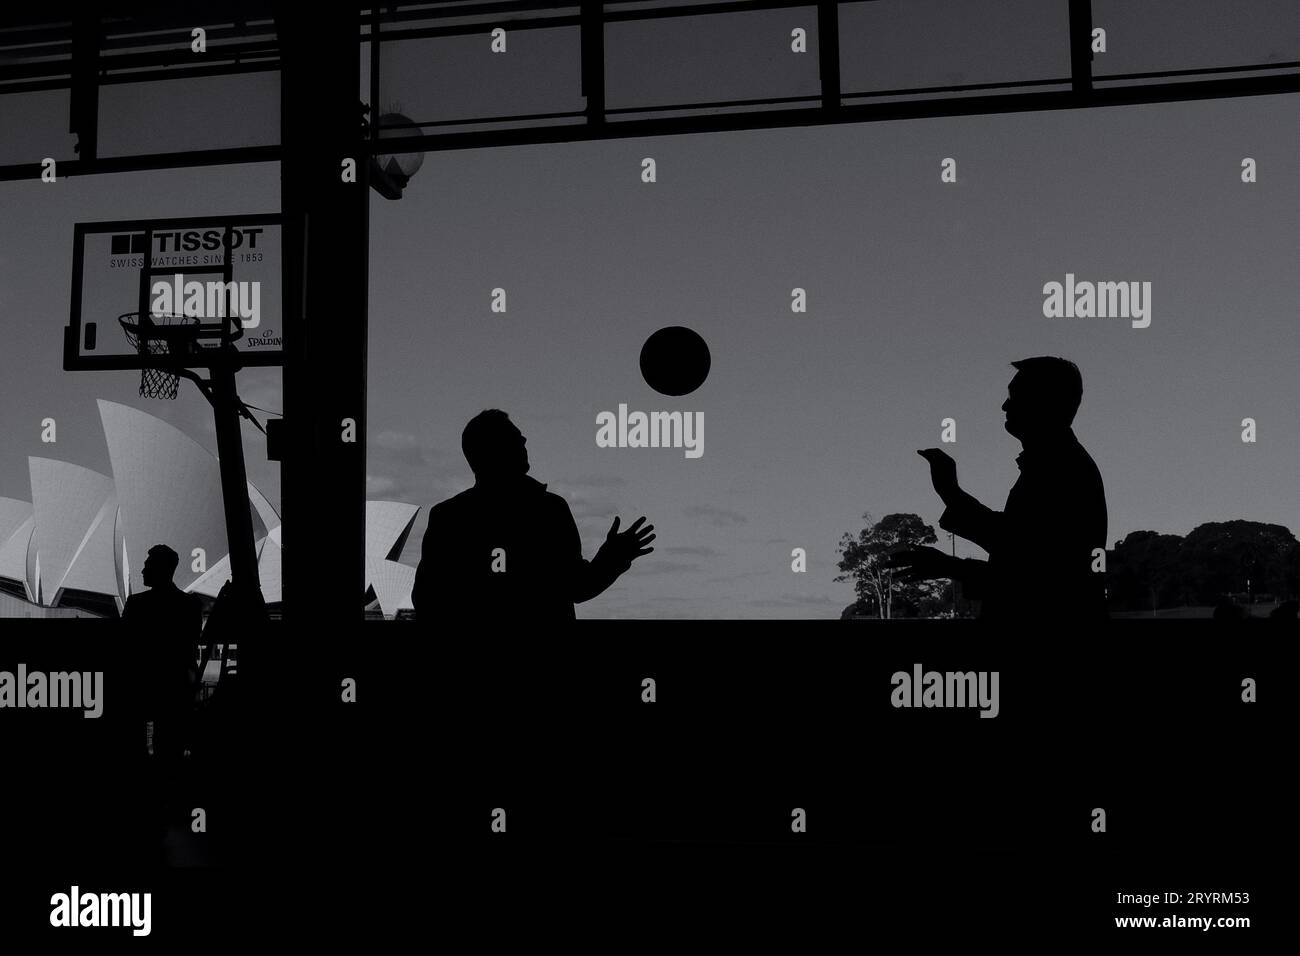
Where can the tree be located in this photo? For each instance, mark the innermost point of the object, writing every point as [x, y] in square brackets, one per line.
[1224, 555]
[1144, 572]
[862, 561]
[1147, 571]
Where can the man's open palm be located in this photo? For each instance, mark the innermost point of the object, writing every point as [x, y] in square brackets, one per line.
[921, 564]
[626, 547]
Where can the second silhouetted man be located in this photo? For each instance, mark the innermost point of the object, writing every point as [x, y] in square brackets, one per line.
[1042, 544]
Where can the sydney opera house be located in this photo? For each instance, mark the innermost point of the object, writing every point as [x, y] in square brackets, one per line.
[76, 549]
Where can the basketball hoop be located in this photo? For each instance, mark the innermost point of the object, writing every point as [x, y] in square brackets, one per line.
[155, 335]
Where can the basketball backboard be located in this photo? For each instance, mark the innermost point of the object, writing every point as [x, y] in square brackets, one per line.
[210, 281]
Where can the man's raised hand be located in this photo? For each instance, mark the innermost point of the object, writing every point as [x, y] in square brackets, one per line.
[943, 472]
[631, 544]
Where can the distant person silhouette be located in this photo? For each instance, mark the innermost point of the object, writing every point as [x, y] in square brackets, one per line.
[168, 623]
[1041, 543]
[509, 547]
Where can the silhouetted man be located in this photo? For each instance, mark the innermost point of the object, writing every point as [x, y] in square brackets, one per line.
[507, 546]
[168, 623]
[1041, 544]
[165, 623]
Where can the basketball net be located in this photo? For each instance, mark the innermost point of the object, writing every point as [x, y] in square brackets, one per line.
[154, 382]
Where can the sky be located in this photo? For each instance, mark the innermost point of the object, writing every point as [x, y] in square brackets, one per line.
[920, 293]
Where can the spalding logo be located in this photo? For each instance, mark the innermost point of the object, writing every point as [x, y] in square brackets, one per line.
[267, 339]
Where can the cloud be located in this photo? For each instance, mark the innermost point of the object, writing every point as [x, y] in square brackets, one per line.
[585, 508]
[662, 567]
[702, 551]
[404, 448]
[798, 601]
[424, 491]
[401, 466]
[718, 517]
[741, 575]
[593, 481]
[653, 607]
[589, 502]
[392, 439]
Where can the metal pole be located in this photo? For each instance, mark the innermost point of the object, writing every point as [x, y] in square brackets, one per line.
[234, 482]
[828, 52]
[952, 584]
[1081, 46]
[593, 60]
[325, 266]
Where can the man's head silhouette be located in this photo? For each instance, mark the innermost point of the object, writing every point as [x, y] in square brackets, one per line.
[1043, 397]
[159, 566]
[494, 447]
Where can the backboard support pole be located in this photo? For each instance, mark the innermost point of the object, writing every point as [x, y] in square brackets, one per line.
[234, 481]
